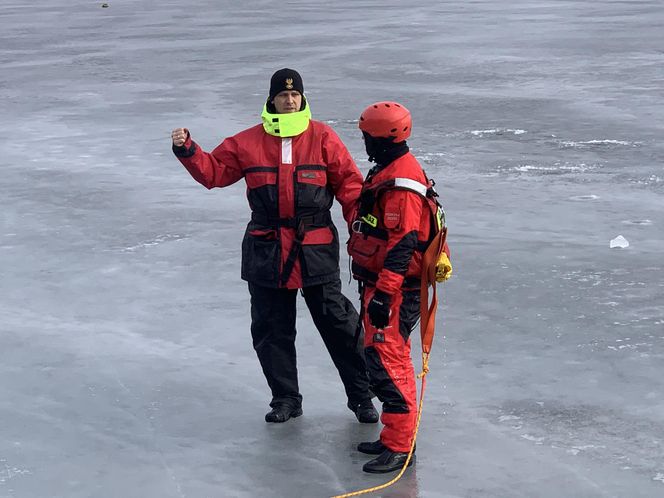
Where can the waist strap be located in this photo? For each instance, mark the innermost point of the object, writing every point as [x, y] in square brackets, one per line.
[301, 224]
[298, 222]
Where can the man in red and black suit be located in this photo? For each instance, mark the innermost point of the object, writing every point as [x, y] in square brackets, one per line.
[294, 168]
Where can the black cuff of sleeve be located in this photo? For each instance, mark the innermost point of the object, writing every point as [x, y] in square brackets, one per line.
[183, 151]
[383, 297]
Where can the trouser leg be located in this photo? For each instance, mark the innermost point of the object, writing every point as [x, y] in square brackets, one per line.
[391, 371]
[336, 319]
[273, 332]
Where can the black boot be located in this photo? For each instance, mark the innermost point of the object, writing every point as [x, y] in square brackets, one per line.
[371, 448]
[282, 412]
[364, 411]
[387, 461]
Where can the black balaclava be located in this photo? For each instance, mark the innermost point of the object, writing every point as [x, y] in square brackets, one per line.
[383, 151]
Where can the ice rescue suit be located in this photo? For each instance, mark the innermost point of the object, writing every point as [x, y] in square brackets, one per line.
[388, 257]
[291, 242]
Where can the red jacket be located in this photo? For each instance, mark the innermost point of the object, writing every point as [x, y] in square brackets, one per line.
[291, 183]
[389, 254]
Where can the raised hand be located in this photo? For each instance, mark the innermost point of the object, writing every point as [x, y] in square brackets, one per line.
[179, 136]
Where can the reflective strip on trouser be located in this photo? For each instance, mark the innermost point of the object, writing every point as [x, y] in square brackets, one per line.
[391, 372]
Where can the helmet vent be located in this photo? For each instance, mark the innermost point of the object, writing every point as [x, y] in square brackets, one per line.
[405, 128]
[375, 107]
[393, 130]
[387, 105]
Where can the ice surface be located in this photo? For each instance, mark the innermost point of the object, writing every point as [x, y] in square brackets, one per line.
[126, 366]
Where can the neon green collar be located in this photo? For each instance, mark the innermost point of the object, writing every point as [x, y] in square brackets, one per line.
[286, 125]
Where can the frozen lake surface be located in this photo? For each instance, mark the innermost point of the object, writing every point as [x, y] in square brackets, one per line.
[126, 366]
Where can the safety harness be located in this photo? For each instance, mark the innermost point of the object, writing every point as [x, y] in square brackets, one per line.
[432, 249]
[366, 224]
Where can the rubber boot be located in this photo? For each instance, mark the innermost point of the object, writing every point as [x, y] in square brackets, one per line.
[387, 461]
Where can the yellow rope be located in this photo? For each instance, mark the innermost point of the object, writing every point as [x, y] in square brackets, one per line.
[421, 375]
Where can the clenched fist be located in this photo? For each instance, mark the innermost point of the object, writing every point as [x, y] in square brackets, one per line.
[179, 136]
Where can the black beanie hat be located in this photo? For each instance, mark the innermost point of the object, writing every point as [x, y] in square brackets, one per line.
[285, 79]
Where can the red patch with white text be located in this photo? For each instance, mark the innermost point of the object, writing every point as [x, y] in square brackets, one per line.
[392, 216]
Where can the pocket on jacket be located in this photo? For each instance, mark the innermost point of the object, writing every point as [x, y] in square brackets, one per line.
[320, 252]
[312, 190]
[260, 256]
[366, 251]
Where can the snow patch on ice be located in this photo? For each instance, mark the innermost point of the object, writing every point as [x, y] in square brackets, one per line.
[153, 242]
[659, 477]
[497, 131]
[557, 168]
[630, 346]
[505, 418]
[532, 167]
[535, 439]
[341, 121]
[109, 270]
[430, 157]
[597, 143]
[637, 222]
[651, 180]
[575, 450]
[8, 472]
[589, 197]
[433, 154]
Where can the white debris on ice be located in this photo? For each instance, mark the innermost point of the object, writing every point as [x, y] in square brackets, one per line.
[619, 241]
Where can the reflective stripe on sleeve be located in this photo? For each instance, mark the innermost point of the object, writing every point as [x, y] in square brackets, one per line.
[413, 185]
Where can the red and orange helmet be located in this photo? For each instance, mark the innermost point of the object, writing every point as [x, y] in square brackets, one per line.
[386, 120]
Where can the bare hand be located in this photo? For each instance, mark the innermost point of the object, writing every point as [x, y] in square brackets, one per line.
[179, 136]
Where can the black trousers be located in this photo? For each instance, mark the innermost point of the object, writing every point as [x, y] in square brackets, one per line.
[273, 331]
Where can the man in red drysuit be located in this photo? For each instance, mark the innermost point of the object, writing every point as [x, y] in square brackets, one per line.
[393, 226]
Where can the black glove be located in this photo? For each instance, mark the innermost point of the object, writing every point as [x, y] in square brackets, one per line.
[379, 309]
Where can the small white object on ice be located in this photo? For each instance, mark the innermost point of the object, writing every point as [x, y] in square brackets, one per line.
[619, 241]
